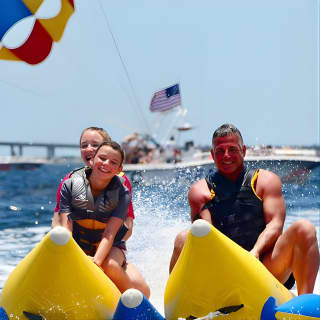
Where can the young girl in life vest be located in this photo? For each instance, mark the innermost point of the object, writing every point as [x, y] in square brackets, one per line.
[93, 207]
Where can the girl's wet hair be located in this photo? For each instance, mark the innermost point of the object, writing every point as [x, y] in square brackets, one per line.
[103, 133]
[227, 129]
[115, 146]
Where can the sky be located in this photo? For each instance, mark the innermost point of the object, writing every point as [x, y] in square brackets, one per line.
[251, 63]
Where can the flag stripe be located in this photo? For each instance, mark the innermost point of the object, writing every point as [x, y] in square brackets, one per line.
[161, 102]
[166, 102]
[166, 105]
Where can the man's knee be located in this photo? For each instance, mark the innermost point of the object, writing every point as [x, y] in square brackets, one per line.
[180, 240]
[305, 231]
[178, 246]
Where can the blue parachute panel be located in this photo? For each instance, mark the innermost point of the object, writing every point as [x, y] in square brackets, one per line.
[11, 11]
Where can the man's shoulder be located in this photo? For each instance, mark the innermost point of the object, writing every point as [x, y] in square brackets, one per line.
[269, 182]
[199, 194]
[199, 190]
[199, 184]
[267, 176]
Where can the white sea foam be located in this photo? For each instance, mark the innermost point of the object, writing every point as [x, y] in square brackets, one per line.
[150, 249]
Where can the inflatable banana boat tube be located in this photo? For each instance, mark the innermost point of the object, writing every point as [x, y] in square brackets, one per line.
[215, 277]
[56, 280]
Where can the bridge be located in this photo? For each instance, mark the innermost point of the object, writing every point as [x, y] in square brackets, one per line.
[49, 146]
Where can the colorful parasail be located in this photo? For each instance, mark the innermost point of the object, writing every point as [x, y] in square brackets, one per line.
[44, 32]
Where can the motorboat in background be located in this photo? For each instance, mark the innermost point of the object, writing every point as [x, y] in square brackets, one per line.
[292, 165]
[20, 163]
[165, 161]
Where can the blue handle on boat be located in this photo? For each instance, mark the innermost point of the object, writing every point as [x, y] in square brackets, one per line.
[306, 305]
[134, 305]
[3, 314]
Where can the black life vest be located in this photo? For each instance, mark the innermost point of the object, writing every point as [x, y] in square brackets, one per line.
[90, 217]
[235, 208]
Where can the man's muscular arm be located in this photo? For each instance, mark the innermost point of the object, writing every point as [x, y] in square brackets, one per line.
[270, 190]
[199, 194]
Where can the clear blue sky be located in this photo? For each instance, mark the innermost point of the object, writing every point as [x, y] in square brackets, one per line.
[251, 63]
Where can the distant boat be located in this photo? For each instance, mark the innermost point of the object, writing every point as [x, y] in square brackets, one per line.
[291, 168]
[185, 127]
[20, 163]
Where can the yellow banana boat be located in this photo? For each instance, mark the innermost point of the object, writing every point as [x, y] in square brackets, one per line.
[56, 280]
[213, 277]
[214, 273]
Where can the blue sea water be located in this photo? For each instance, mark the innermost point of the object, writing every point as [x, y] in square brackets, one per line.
[27, 200]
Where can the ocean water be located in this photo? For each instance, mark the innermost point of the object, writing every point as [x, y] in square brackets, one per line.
[27, 200]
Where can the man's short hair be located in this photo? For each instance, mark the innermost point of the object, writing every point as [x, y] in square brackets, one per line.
[227, 129]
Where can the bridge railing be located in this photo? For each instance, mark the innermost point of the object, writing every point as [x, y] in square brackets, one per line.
[51, 147]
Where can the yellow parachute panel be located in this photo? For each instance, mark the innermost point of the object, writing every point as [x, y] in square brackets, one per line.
[55, 26]
[33, 5]
[6, 54]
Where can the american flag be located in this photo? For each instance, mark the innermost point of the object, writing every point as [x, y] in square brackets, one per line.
[166, 99]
